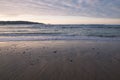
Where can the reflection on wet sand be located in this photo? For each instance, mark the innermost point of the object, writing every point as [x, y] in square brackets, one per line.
[59, 60]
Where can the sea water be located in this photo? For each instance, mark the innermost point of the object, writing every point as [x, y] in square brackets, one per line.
[38, 32]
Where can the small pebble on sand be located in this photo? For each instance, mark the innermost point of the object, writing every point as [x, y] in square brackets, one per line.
[93, 48]
[24, 52]
[71, 60]
[54, 51]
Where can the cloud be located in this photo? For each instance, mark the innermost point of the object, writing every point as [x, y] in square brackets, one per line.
[88, 8]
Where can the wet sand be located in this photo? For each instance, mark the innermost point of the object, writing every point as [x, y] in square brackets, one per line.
[60, 60]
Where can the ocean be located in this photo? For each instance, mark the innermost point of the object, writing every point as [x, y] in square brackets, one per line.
[38, 32]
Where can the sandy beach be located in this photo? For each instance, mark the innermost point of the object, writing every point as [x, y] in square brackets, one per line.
[60, 60]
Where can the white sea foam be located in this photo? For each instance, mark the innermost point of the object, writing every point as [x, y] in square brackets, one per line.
[59, 32]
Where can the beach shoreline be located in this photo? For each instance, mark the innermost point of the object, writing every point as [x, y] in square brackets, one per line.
[60, 60]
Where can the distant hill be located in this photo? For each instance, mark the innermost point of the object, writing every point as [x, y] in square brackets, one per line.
[18, 22]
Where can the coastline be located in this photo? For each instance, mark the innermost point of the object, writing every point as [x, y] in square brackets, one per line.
[60, 60]
[55, 38]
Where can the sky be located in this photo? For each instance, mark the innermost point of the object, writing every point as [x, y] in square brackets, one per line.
[61, 11]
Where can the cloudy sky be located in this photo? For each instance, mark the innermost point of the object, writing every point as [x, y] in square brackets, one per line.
[62, 11]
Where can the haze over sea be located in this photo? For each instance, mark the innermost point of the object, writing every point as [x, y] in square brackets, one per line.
[36, 32]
